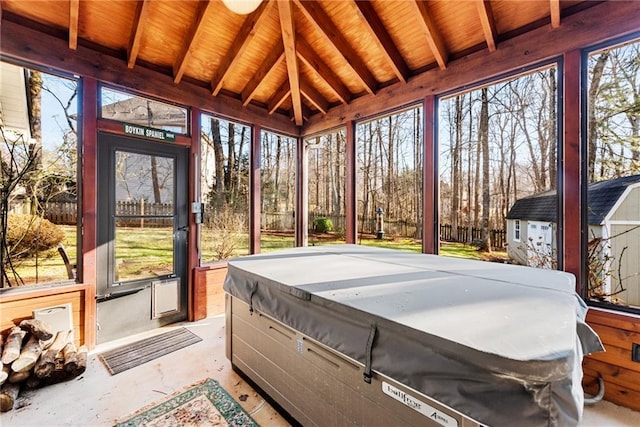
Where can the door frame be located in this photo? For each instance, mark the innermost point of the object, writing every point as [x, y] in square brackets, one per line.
[107, 145]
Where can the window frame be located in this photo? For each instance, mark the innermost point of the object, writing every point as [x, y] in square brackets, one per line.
[584, 179]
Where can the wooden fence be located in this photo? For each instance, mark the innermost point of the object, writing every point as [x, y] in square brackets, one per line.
[467, 235]
[399, 227]
[61, 213]
[65, 213]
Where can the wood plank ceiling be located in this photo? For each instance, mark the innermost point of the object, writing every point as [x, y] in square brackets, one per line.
[297, 58]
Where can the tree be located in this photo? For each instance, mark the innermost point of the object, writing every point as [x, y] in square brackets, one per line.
[484, 147]
[18, 160]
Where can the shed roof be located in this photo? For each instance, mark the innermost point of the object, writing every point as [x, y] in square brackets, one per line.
[601, 197]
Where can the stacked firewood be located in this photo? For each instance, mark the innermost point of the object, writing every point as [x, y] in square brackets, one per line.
[33, 356]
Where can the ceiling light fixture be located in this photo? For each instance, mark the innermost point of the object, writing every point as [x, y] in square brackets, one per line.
[242, 7]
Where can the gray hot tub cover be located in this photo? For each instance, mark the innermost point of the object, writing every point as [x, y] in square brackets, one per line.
[498, 343]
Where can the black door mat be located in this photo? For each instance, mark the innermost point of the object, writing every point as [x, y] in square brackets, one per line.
[135, 354]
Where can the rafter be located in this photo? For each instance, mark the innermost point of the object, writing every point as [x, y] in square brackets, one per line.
[321, 21]
[74, 12]
[278, 97]
[306, 113]
[488, 23]
[142, 9]
[314, 97]
[242, 40]
[307, 55]
[554, 5]
[383, 39]
[270, 63]
[194, 30]
[285, 10]
[431, 33]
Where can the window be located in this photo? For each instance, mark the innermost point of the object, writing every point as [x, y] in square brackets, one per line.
[498, 166]
[142, 111]
[224, 186]
[326, 161]
[39, 152]
[613, 175]
[278, 191]
[389, 180]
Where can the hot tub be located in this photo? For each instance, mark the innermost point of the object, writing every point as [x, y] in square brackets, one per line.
[349, 334]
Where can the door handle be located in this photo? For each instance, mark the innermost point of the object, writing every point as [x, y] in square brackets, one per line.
[114, 295]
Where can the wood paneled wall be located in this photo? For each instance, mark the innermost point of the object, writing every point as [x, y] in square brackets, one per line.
[621, 375]
[208, 295]
[18, 305]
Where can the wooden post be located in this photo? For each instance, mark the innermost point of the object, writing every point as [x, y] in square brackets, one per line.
[351, 198]
[87, 268]
[573, 212]
[197, 306]
[254, 202]
[430, 232]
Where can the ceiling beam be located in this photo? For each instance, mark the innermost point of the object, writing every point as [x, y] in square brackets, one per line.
[577, 31]
[189, 40]
[321, 22]
[488, 23]
[307, 55]
[554, 5]
[270, 63]
[314, 97]
[21, 43]
[278, 97]
[306, 113]
[431, 33]
[142, 9]
[241, 41]
[383, 39]
[285, 10]
[74, 12]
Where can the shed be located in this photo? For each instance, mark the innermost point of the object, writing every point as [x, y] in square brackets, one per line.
[613, 219]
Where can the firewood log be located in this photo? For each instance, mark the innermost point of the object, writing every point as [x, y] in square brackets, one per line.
[1, 343]
[8, 395]
[12, 347]
[29, 355]
[18, 377]
[4, 374]
[82, 361]
[58, 374]
[46, 364]
[70, 357]
[32, 382]
[40, 329]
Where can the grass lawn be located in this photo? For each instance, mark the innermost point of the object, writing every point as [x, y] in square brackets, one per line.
[148, 251]
[270, 242]
[48, 266]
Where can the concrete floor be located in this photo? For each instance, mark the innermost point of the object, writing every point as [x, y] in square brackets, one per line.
[99, 399]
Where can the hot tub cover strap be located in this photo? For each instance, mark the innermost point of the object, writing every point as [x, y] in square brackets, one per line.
[368, 350]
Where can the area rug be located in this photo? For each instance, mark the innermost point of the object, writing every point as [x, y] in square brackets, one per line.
[134, 354]
[202, 404]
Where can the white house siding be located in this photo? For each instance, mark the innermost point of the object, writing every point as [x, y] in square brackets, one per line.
[630, 265]
[624, 223]
[629, 209]
[518, 250]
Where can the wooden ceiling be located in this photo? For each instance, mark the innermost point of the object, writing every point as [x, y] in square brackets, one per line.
[297, 58]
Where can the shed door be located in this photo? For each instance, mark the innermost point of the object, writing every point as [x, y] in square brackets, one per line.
[540, 244]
